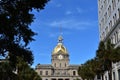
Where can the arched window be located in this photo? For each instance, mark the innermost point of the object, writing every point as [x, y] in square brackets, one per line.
[74, 72]
[46, 72]
[114, 76]
[119, 34]
[65, 64]
[60, 64]
[119, 12]
[55, 64]
[119, 74]
[40, 72]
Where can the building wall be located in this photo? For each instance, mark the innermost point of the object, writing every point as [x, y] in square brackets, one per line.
[73, 72]
[44, 72]
[109, 28]
[70, 73]
[109, 15]
[60, 63]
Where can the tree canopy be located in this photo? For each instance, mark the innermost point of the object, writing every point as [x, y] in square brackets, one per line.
[106, 55]
[86, 70]
[15, 33]
[15, 18]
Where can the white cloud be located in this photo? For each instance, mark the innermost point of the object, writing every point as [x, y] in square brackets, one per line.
[79, 10]
[58, 5]
[73, 24]
[68, 12]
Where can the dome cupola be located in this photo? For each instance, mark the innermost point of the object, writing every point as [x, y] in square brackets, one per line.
[60, 47]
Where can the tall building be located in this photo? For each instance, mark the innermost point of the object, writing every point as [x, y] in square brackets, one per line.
[59, 69]
[109, 28]
[109, 20]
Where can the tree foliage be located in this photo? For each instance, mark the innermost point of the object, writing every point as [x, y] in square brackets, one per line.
[106, 55]
[15, 18]
[15, 34]
[6, 71]
[86, 70]
[24, 72]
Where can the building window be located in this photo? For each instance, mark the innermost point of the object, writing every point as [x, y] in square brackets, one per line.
[118, 13]
[40, 72]
[113, 4]
[109, 11]
[74, 72]
[55, 64]
[110, 24]
[115, 18]
[46, 72]
[119, 74]
[60, 64]
[114, 76]
[116, 36]
[112, 40]
[105, 77]
[119, 34]
[105, 17]
[98, 77]
[106, 30]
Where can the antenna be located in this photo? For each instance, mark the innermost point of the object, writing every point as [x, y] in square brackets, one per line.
[60, 30]
[60, 38]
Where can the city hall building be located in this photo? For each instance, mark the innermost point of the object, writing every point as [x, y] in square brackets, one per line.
[59, 69]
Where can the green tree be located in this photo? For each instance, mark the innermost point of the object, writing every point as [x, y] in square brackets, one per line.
[81, 72]
[100, 60]
[6, 71]
[107, 54]
[15, 18]
[25, 72]
[15, 34]
[86, 70]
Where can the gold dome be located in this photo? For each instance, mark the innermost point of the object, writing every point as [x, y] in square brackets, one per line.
[60, 47]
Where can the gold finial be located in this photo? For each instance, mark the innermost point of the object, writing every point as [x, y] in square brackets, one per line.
[60, 39]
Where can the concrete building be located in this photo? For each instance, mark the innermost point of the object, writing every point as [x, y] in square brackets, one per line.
[109, 28]
[59, 69]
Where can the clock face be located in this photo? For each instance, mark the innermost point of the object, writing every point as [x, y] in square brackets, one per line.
[60, 57]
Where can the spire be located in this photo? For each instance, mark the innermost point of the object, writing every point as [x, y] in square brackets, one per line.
[60, 30]
[60, 38]
[60, 46]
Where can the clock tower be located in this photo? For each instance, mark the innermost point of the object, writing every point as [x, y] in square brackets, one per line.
[59, 69]
[60, 56]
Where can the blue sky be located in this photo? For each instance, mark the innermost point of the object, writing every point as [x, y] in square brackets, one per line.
[79, 22]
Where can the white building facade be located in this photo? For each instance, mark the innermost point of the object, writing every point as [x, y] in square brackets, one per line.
[109, 28]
